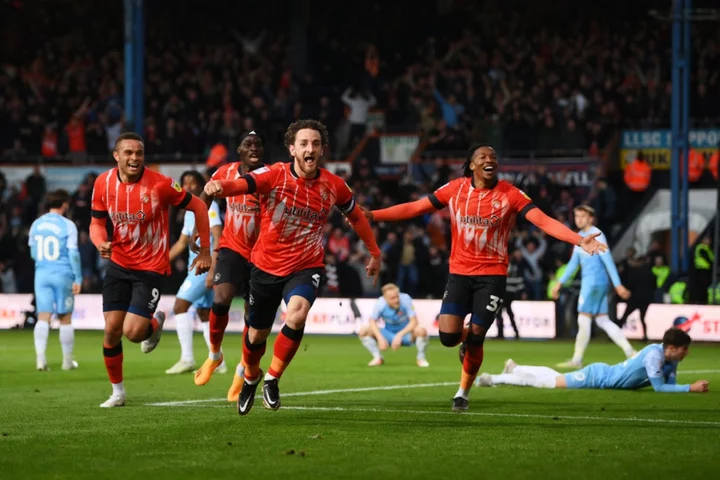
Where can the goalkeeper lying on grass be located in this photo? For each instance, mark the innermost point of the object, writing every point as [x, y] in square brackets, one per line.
[654, 365]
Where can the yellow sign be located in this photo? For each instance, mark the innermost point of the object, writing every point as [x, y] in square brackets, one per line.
[659, 158]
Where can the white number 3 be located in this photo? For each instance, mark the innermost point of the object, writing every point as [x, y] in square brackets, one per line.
[494, 303]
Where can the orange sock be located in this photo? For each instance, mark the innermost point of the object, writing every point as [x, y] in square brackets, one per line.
[218, 324]
[114, 362]
[471, 365]
[286, 346]
[252, 354]
[152, 326]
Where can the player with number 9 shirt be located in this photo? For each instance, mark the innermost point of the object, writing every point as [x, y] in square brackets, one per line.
[136, 200]
[482, 214]
[296, 199]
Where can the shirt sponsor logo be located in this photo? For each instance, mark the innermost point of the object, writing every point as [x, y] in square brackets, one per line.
[479, 221]
[125, 217]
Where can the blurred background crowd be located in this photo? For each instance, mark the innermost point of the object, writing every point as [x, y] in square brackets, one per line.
[565, 87]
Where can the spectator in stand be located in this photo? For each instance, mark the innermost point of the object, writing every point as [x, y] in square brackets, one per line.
[532, 250]
[360, 101]
[339, 245]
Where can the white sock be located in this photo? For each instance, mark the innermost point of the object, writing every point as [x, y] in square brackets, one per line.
[615, 334]
[118, 388]
[269, 377]
[462, 393]
[583, 337]
[526, 369]
[371, 344]
[525, 379]
[184, 325]
[206, 332]
[40, 334]
[421, 343]
[67, 341]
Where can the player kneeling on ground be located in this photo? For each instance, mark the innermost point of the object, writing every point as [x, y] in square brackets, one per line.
[654, 365]
[401, 327]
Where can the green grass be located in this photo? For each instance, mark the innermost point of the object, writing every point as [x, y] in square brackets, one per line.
[51, 425]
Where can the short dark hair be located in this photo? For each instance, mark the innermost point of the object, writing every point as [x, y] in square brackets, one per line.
[468, 158]
[195, 174]
[128, 136]
[309, 124]
[676, 338]
[246, 135]
[57, 198]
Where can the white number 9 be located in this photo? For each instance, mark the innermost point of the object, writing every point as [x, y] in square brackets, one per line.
[155, 295]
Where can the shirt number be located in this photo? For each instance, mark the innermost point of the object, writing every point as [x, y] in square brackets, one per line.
[494, 303]
[48, 248]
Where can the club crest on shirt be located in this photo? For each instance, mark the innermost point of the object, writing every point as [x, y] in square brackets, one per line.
[496, 204]
[145, 198]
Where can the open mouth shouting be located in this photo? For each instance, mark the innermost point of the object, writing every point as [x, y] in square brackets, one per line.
[310, 160]
[134, 167]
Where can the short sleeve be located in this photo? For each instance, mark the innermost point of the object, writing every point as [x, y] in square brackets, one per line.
[261, 180]
[407, 304]
[345, 200]
[98, 207]
[214, 214]
[519, 200]
[188, 224]
[220, 173]
[653, 363]
[378, 309]
[172, 193]
[72, 235]
[440, 198]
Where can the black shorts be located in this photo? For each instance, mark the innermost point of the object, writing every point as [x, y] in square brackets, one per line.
[480, 295]
[267, 291]
[233, 268]
[131, 291]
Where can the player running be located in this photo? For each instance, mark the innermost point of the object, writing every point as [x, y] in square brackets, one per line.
[482, 213]
[54, 247]
[231, 272]
[296, 201]
[654, 365]
[594, 289]
[196, 290]
[401, 327]
[136, 200]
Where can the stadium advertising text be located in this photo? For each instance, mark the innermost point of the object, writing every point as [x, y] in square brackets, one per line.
[656, 144]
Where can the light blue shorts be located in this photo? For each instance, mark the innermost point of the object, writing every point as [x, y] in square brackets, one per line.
[593, 300]
[389, 335]
[591, 376]
[53, 293]
[193, 290]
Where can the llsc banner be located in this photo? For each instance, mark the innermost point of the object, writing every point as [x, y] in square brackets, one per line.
[656, 144]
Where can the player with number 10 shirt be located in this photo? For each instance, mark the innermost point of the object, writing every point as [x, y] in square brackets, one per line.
[296, 200]
[136, 200]
[482, 214]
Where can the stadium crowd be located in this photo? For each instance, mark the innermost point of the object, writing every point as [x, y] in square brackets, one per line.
[518, 86]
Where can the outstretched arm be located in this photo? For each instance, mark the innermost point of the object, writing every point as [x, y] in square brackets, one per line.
[362, 227]
[230, 188]
[405, 211]
[552, 227]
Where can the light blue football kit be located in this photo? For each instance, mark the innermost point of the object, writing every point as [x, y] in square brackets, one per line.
[54, 247]
[595, 284]
[193, 288]
[395, 319]
[648, 367]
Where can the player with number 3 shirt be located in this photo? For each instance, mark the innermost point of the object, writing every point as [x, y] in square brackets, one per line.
[296, 200]
[482, 214]
[136, 200]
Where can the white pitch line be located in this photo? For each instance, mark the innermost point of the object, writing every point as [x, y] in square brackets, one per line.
[313, 392]
[511, 415]
[692, 372]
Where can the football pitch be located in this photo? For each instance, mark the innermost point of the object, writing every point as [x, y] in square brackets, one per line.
[342, 419]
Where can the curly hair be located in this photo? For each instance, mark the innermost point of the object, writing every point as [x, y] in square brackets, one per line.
[468, 159]
[309, 124]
